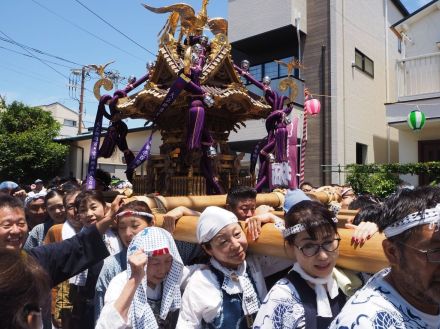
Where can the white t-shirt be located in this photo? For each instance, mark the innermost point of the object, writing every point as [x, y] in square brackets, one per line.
[379, 305]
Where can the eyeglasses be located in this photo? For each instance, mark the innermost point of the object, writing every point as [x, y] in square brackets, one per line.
[312, 249]
[432, 255]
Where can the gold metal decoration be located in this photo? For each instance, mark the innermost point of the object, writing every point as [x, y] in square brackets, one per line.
[187, 61]
[100, 68]
[106, 83]
[286, 83]
[294, 63]
[190, 23]
[218, 25]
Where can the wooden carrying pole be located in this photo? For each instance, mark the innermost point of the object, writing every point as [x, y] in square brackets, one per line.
[367, 258]
[199, 202]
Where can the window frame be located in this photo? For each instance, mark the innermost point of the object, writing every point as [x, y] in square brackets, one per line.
[73, 123]
[362, 65]
[280, 72]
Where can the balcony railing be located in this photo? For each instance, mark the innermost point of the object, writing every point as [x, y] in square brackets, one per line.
[418, 76]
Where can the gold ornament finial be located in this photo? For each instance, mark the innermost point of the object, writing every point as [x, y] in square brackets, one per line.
[294, 63]
[100, 68]
[190, 22]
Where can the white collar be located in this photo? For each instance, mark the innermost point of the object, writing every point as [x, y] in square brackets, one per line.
[321, 285]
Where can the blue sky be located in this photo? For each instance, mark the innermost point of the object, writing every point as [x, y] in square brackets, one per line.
[27, 22]
[64, 29]
[413, 5]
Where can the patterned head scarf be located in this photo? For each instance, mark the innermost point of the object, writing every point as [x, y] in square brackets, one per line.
[34, 196]
[429, 216]
[155, 240]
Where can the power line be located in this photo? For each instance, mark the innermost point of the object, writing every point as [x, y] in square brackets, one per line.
[86, 31]
[114, 28]
[37, 50]
[17, 52]
[52, 68]
[29, 75]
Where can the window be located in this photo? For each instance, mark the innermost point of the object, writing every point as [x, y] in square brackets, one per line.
[361, 153]
[256, 72]
[69, 123]
[108, 168]
[363, 63]
[399, 45]
[271, 69]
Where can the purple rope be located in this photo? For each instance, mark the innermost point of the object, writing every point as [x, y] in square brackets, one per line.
[93, 158]
[196, 122]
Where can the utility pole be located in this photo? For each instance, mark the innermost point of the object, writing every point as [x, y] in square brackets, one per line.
[114, 76]
[81, 100]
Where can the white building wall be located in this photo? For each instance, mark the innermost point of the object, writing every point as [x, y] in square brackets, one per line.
[424, 32]
[358, 99]
[408, 146]
[252, 17]
[135, 141]
[60, 113]
[337, 85]
[408, 153]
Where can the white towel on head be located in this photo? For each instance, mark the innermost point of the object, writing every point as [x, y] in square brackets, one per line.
[211, 221]
[141, 315]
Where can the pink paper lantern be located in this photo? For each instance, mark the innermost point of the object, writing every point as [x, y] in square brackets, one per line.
[312, 106]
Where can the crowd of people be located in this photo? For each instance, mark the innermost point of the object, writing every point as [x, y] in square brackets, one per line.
[71, 260]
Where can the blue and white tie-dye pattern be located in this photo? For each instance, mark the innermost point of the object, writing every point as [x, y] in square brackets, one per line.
[282, 308]
[379, 306]
[141, 315]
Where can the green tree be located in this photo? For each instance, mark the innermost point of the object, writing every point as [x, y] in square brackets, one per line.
[26, 144]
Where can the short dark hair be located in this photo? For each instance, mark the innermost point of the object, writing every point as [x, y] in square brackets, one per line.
[305, 183]
[315, 217]
[69, 194]
[8, 201]
[51, 194]
[405, 202]
[85, 196]
[369, 213]
[239, 193]
[24, 286]
[361, 201]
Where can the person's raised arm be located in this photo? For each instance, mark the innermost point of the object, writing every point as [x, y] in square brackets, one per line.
[137, 262]
[104, 224]
[254, 223]
[171, 217]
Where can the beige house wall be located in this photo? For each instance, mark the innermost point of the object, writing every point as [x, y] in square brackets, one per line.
[80, 152]
[60, 113]
[358, 99]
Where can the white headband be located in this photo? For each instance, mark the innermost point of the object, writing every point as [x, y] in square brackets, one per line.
[429, 216]
[134, 213]
[298, 228]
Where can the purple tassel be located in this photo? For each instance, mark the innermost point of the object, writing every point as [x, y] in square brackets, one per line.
[281, 143]
[212, 184]
[254, 156]
[109, 143]
[196, 122]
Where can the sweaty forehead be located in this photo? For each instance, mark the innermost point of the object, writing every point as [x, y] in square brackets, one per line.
[7, 213]
[247, 203]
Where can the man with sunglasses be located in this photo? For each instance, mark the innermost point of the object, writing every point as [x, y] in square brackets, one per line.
[406, 295]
